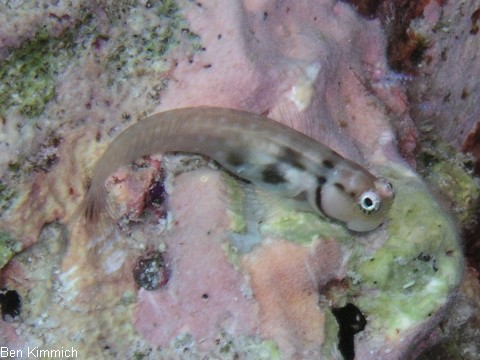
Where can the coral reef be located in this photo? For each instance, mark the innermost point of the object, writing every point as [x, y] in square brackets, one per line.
[197, 263]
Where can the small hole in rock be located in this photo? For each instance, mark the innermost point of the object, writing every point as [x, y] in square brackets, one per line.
[350, 321]
[11, 304]
[150, 271]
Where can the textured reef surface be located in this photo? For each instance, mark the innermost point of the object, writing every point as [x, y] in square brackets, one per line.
[197, 264]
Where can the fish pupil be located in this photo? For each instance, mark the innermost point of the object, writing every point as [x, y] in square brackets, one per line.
[367, 202]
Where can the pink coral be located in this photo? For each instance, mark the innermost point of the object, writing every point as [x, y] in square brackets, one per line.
[287, 280]
[204, 294]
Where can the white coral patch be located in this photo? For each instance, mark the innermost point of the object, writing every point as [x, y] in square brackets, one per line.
[302, 92]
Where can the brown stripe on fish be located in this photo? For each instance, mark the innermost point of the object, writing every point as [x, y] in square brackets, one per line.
[292, 157]
[271, 174]
[328, 164]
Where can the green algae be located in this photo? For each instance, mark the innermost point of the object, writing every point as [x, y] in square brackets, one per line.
[450, 174]
[232, 254]
[140, 355]
[412, 275]
[144, 50]
[236, 205]
[249, 347]
[301, 227]
[8, 248]
[7, 196]
[330, 343]
[167, 8]
[459, 186]
[28, 74]
[266, 349]
[281, 218]
[228, 346]
[115, 10]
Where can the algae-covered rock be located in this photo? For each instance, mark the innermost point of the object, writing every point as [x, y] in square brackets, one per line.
[450, 174]
[400, 276]
[8, 247]
[459, 186]
[7, 195]
[28, 74]
[412, 275]
[302, 227]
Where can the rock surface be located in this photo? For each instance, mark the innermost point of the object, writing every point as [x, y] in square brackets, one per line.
[247, 277]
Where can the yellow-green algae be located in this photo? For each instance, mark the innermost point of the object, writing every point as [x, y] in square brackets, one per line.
[8, 247]
[413, 273]
[449, 172]
[330, 343]
[7, 196]
[266, 349]
[283, 221]
[29, 73]
[302, 227]
[236, 204]
[459, 186]
[228, 347]
[235, 213]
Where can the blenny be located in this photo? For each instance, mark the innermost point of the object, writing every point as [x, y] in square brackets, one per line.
[260, 150]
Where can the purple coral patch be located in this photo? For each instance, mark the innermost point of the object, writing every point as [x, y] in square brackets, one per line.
[156, 193]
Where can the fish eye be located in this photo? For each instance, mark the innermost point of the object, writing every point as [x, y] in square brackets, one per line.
[369, 202]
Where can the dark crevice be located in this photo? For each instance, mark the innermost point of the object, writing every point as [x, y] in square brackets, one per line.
[350, 321]
[11, 304]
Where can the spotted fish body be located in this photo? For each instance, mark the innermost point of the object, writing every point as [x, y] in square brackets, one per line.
[255, 148]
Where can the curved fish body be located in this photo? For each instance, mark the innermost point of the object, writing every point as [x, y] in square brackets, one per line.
[266, 153]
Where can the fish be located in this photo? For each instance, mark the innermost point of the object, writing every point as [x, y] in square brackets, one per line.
[262, 151]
